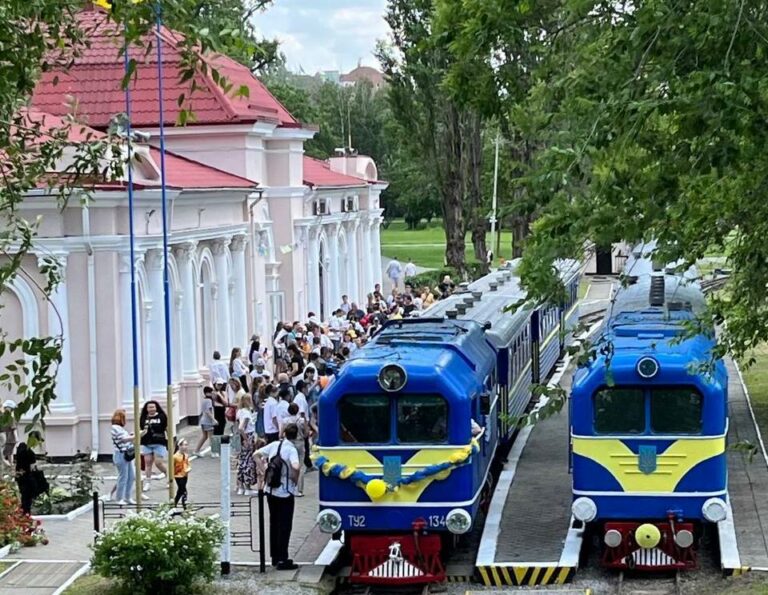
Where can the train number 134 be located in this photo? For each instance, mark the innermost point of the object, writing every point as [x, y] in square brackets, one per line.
[436, 521]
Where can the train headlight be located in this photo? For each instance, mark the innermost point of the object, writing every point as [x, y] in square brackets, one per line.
[684, 538]
[647, 367]
[612, 538]
[458, 521]
[714, 510]
[329, 521]
[584, 509]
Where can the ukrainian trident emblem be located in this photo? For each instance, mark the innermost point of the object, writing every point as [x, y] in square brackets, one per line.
[646, 460]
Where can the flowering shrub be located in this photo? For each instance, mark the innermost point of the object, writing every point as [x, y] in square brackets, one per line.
[17, 527]
[153, 551]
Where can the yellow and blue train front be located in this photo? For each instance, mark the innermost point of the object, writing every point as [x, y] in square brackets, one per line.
[648, 453]
[401, 461]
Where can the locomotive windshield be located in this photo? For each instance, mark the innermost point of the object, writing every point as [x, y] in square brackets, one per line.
[620, 411]
[422, 418]
[676, 411]
[365, 418]
[419, 419]
[672, 410]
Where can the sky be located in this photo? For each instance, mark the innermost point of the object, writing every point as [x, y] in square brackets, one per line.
[319, 35]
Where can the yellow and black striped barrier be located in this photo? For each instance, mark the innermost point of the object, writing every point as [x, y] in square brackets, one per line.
[517, 576]
[740, 571]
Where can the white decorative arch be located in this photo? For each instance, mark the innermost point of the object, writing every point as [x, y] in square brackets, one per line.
[30, 311]
[142, 301]
[176, 289]
[205, 280]
[343, 264]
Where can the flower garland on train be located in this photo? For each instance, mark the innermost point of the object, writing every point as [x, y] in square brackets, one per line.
[376, 488]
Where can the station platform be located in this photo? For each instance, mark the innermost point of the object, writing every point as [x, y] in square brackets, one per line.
[743, 537]
[528, 537]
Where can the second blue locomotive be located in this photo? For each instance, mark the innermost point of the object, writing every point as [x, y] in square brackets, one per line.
[648, 424]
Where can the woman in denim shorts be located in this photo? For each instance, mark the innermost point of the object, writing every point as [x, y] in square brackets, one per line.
[154, 443]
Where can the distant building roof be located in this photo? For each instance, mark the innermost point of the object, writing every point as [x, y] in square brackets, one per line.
[319, 174]
[363, 73]
[94, 80]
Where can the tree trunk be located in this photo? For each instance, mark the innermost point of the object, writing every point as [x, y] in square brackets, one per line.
[473, 173]
[452, 192]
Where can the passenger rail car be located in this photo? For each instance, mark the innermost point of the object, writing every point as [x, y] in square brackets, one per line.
[412, 424]
[648, 426]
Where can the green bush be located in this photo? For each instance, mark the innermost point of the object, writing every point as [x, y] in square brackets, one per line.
[153, 551]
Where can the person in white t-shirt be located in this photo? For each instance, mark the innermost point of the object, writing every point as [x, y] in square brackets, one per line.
[394, 271]
[284, 400]
[281, 499]
[410, 269]
[218, 370]
[271, 423]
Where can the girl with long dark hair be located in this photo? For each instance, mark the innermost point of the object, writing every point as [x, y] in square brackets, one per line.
[154, 441]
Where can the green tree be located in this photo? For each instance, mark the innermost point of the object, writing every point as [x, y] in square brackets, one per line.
[652, 126]
[438, 133]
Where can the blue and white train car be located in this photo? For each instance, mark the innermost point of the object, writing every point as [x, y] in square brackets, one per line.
[412, 424]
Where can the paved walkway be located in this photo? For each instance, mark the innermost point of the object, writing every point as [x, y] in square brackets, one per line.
[70, 541]
[386, 286]
[747, 480]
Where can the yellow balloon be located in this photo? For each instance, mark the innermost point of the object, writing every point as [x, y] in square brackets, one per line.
[376, 488]
[647, 536]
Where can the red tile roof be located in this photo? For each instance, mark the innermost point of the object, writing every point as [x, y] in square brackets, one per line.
[319, 174]
[94, 81]
[181, 172]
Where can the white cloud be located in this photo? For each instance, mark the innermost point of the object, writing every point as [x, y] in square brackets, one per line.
[321, 35]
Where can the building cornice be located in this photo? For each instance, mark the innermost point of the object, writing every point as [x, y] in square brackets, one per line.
[104, 243]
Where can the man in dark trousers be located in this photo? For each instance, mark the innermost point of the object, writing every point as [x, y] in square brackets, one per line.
[281, 499]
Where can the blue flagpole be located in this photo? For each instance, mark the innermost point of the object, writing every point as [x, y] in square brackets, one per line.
[134, 326]
[166, 286]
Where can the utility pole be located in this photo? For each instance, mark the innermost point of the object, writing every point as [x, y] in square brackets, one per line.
[494, 243]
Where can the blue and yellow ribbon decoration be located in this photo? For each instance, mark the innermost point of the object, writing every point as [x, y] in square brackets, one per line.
[376, 488]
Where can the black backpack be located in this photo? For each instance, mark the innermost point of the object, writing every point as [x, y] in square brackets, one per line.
[274, 473]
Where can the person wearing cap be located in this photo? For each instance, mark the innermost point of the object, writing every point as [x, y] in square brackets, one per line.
[9, 430]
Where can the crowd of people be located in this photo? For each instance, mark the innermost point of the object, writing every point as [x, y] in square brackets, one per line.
[266, 401]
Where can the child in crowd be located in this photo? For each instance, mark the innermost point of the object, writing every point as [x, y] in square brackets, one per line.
[181, 469]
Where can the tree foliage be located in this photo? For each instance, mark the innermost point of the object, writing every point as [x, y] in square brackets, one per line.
[39, 35]
[645, 120]
[438, 132]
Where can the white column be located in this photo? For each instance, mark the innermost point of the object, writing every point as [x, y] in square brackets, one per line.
[183, 253]
[155, 343]
[313, 279]
[60, 303]
[240, 330]
[334, 293]
[126, 331]
[223, 341]
[366, 262]
[376, 250]
[356, 293]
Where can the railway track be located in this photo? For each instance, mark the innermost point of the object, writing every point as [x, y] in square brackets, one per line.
[642, 585]
[390, 590]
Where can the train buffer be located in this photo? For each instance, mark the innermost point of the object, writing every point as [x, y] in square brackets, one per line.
[529, 536]
[742, 538]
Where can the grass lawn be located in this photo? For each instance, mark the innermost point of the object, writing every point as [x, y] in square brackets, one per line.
[756, 379]
[426, 247]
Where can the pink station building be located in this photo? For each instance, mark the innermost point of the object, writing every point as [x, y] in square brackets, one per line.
[258, 232]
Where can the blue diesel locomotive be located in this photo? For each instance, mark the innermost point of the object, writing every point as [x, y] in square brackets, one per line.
[649, 419]
[412, 424]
